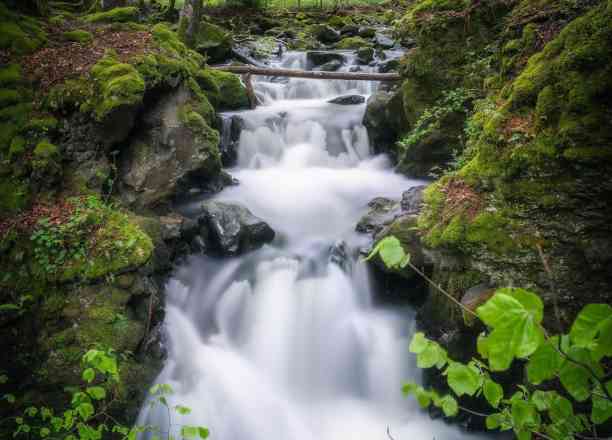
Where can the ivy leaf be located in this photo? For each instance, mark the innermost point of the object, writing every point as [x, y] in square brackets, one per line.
[493, 392]
[449, 406]
[429, 353]
[96, 393]
[391, 252]
[602, 407]
[574, 377]
[545, 362]
[514, 315]
[462, 379]
[586, 325]
[89, 375]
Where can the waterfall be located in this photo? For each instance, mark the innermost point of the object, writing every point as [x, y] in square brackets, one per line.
[285, 343]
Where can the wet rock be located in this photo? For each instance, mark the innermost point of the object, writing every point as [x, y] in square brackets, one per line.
[355, 69]
[326, 34]
[367, 32]
[214, 42]
[382, 212]
[339, 255]
[318, 58]
[385, 120]
[231, 127]
[173, 146]
[365, 55]
[412, 200]
[233, 229]
[330, 66]
[348, 100]
[389, 66]
[349, 30]
[383, 41]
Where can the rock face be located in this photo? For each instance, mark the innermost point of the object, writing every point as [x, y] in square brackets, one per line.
[384, 118]
[232, 229]
[318, 58]
[348, 100]
[326, 34]
[175, 144]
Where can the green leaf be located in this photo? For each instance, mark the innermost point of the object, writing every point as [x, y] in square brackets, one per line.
[514, 315]
[604, 342]
[182, 410]
[602, 407]
[85, 410]
[542, 399]
[423, 397]
[524, 415]
[545, 362]
[203, 432]
[462, 379]
[429, 353]
[409, 388]
[586, 325]
[449, 406]
[418, 343]
[494, 421]
[96, 393]
[493, 392]
[391, 252]
[44, 432]
[574, 377]
[89, 375]
[189, 432]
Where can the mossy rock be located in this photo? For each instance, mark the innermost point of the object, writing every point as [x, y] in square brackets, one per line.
[213, 41]
[353, 43]
[19, 33]
[225, 90]
[10, 74]
[78, 36]
[117, 15]
[14, 195]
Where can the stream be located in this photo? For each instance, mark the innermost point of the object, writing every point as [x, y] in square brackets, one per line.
[286, 342]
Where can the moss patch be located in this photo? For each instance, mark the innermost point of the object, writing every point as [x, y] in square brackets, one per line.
[117, 15]
[19, 33]
[224, 89]
[79, 36]
[353, 43]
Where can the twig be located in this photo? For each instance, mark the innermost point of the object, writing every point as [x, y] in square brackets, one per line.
[552, 285]
[389, 434]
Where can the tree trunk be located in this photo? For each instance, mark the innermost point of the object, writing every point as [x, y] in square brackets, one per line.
[355, 76]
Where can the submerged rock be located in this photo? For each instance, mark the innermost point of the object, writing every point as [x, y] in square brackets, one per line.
[318, 58]
[330, 66]
[232, 229]
[348, 100]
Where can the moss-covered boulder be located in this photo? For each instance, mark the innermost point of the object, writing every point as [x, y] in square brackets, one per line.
[353, 43]
[176, 144]
[213, 41]
[19, 33]
[78, 36]
[116, 15]
[225, 90]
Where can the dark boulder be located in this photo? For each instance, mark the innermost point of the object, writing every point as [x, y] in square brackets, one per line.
[318, 58]
[383, 41]
[331, 66]
[385, 120]
[348, 100]
[232, 229]
[365, 55]
[349, 30]
[326, 34]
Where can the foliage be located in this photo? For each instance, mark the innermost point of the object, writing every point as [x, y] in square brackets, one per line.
[513, 318]
[88, 414]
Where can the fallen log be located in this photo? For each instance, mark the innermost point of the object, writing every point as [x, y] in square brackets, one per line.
[351, 76]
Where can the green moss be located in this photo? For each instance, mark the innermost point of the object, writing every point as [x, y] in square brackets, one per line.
[9, 97]
[129, 13]
[337, 21]
[353, 43]
[79, 36]
[45, 150]
[119, 84]
[73, 94]
[43, 124]
[10, 74]
[14, 195]
[231, 94]
[213, 41]
[17, 147]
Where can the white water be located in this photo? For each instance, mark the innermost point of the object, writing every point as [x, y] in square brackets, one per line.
[283, 343]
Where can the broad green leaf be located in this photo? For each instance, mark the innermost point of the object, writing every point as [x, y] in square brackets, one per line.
[391, 253]
[542, 399]
[494, 421]
[89, 375]
[44, 432]
[574, 377]
[604, 342]
[602, 407]
[544, 363]
[203, 432]
[85, 410]
[493, 392]
[96, 393]
[423, 397]
[449, 406]
[189, 432]
[409, 388]
[429, 353]
[587, 323]
[418, 343]
[462, 379]
[524, 415]
[523, 435]
[182, 410]
[560, 408]
[514, 315]
[482, 346]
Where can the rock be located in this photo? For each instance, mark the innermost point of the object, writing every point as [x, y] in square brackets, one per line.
[382, 212]
[339, 255]
[233, 229]
[224, 89]
[214, 42]
[383, 41]
[412, 200]
[326, 34]
[366, 32]
[385, 120]
[348, 100]
[111, 4]
[474, 297]
[330, 66]
[355, 69]
[388, 66]
[349, 30]
[175, 144]
[318, 58]
[365, 55]
[231, 127]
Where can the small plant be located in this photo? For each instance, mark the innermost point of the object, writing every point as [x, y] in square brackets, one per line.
[567, 374]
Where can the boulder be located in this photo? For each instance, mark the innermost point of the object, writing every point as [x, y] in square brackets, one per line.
[366, 32]
[330, 66]
[232, 229]
[388, 66]
[385, 120]
[383, 41]
[175, 144]
[326, 34]
[412, 200]
[231, 127]
[381, 213]
[350, 30]
[365, 55]
[319, 58]
[214, 42]
[348, 100]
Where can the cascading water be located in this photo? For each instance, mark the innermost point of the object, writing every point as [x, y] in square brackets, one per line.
[284, 343]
